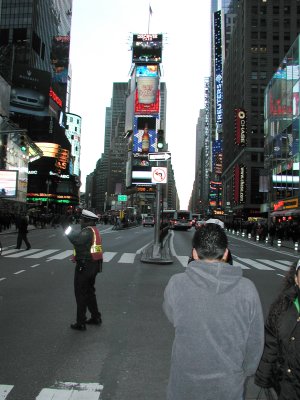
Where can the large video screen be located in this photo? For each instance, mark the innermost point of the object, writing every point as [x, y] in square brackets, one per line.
[8, 183]
[147, 48]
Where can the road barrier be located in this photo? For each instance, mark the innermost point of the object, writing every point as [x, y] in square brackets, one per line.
[279, 242]
[296, 246]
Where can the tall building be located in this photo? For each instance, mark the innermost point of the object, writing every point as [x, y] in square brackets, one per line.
[34, 60]
[262, 34]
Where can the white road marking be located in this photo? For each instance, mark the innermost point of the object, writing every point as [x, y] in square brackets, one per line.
[35, 265]
[2, 279]
[62, 255]
[139, 251]
[127, 258]
[23, 253]
[183, 260]
[108, 256]
[4, 390]
[237, 264]
[274, 264]
[255, 264]
[72, 391]
[284, 262]
[5, 252]
[19, 272]
[42, 253]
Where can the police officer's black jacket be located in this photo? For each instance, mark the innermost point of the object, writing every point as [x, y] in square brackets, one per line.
[280, 363]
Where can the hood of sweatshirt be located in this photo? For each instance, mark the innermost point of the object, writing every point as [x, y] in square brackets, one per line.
[218, 277]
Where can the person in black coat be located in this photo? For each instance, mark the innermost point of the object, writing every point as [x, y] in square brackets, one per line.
[22, 226]
[279, 367]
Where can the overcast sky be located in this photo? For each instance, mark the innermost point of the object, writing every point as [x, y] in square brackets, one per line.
[100, 55]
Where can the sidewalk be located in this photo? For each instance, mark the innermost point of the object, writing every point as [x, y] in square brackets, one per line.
[285, 244]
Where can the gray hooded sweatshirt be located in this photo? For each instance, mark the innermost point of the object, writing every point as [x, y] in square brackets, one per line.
[219, 331]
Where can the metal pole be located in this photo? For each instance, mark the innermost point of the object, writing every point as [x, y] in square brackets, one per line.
[157, 215]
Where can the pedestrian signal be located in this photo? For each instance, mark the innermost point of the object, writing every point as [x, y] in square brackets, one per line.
[160, 139]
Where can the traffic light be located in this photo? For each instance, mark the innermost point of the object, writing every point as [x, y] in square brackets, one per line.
[160, 139]
[22, 143]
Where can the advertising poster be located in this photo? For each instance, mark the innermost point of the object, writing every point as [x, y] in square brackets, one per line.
[145, 132]
[30, 91]
[8, 183]
[147, 48]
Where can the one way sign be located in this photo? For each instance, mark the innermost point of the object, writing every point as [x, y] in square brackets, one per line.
[163, 156]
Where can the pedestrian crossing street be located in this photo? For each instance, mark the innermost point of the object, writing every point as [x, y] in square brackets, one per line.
[129, 258]
[62, 391]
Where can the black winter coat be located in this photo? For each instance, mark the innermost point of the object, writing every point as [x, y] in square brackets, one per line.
[280, 363]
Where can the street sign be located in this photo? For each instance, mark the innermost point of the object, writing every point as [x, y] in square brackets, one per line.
[159, 174]
[162, 156]
[122, 197]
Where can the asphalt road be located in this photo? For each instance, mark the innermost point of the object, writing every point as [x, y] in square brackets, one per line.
[127, 358]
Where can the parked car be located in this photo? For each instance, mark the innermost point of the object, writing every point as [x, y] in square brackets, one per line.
[148, 221]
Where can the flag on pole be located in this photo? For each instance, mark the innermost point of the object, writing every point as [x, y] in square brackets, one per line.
[150, 10]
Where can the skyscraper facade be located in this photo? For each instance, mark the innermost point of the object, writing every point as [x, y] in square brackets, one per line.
[262, 34]
[34, 60]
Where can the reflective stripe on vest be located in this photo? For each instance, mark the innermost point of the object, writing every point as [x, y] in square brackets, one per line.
[96, 247]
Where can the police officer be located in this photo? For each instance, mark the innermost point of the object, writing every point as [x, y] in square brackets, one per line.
[88, 257]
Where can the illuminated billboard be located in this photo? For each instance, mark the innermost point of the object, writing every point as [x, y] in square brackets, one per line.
[30, 91]
[240, 127]
[152, 108]
[146, 70]
[144, 134]
[8, 183]
[147, 48]
[60, 58]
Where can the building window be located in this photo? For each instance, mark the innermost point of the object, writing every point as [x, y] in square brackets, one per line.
[36, 43]
[275, 62]
[254, 88]
[254, 75]
[75, 128]
[254, 157]
[286, 23]
[263, 48]
[254, 35]
[276, 36]
[276, 22]
[43, 51]
[263, 22]
[263, 35]
[254, 101]
[254, 62]
[287, 9]
[254, 10]
[254, 48]
[287, 36]
[4, 35]
[263, 61]
[275, 9]
[276, 48]
[71, 119]
[254, 23]
[254, 129]
[263, 10]
[263, 74]
[19, 35]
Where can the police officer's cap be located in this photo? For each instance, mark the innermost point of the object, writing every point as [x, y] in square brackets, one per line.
[86, 214]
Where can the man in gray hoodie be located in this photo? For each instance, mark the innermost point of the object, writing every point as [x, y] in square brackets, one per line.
[218, 321]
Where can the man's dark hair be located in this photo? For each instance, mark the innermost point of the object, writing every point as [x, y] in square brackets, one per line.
[210, 241]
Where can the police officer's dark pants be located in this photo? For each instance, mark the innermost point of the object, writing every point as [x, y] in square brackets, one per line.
[84, 286]
[22, 236]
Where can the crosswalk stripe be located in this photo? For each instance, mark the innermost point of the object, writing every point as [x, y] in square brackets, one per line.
[284, 262]
[108, 255]
[183, 260]
[127, 258]
[255, 264]
[6, 252]
[71, 391]
[4, 390]
[42, 253]
[237, 264]
[62, 255]
[274, 264]
[20, 254]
